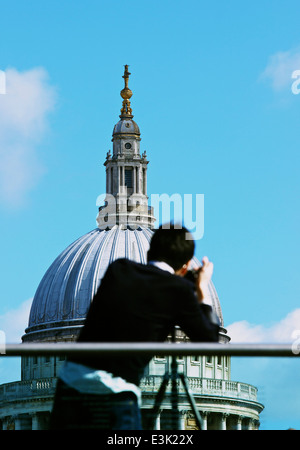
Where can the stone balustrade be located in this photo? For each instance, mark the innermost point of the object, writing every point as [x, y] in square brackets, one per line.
[27, 389]
[198, 386]
[205, 386]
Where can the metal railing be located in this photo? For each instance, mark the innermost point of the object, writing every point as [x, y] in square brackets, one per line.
[235, 391]
[159, 349]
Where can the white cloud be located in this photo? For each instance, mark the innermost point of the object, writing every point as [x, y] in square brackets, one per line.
[14, 322]
[24, 110]
[280, 332]
[276, 378]
[280, 68]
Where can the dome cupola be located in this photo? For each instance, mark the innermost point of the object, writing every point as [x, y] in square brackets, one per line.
[126, 201]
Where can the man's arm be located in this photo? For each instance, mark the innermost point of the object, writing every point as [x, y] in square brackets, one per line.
[204, 277]
[194, 318]
[197, 319]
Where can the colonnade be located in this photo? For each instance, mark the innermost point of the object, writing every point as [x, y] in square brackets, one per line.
[210, 421]
[115, 181]
[28, 421]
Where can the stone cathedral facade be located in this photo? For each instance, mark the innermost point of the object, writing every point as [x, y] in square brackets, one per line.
[124, 229]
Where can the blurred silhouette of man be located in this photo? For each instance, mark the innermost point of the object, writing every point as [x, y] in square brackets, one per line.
[134, 303]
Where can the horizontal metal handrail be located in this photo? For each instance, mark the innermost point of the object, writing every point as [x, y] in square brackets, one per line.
[149, 348]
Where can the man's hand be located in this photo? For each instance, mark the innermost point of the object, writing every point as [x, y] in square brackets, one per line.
[204, 277]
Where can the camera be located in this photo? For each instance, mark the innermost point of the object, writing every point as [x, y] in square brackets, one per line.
[192, 275]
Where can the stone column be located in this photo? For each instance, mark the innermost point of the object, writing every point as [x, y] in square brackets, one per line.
[204, 420]
[122, 179]
[35, 421]
[157, 421]
[145, 182]
[239, 423]
[107, 177]
[256, 424]
[110, 180]
[250, 424]
[182, 420]
[119, 180]
[140, 180]
[223, 421]
[137, 180]
[17, 423]
[134, 179]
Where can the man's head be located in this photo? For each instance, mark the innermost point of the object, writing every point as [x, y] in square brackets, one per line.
[170, 244]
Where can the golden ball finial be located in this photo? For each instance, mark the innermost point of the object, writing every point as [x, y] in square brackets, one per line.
[126, 93]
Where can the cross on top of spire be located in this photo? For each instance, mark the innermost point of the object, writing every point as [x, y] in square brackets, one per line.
[126, 94]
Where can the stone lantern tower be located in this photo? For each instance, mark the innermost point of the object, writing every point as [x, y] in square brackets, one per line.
[126, 201]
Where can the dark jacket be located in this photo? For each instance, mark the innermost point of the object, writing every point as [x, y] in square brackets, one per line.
[141, 303]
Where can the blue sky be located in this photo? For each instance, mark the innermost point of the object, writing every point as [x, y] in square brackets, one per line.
[212, 94]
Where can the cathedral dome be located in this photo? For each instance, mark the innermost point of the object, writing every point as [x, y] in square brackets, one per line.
[68, 286]
[65, 292]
